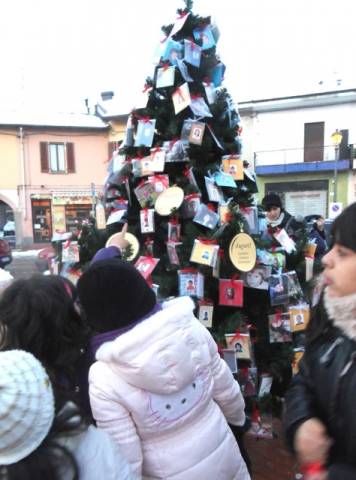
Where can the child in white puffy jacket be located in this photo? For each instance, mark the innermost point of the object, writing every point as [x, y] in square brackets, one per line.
[159, 386]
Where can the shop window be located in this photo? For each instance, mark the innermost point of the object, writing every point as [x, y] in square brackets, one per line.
[41, 221]
[75, 215]
[57, 157]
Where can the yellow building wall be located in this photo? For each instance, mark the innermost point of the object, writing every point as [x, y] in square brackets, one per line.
[9, 160]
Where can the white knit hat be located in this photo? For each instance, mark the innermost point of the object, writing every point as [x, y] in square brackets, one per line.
[26, 405]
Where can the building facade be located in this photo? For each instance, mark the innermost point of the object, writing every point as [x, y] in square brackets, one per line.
[289, 142]
[50, 169]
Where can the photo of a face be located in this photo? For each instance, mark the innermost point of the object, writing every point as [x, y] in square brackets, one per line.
[257, 278]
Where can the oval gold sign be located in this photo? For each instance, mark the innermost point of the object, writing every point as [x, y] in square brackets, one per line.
[243, 252]
[169, 199]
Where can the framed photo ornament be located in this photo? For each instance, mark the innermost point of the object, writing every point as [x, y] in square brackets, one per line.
[231, 292]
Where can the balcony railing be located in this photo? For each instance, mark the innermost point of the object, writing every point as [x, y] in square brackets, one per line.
[300, 160]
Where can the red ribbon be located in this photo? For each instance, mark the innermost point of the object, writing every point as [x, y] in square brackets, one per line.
[195, 96]
[237, 336]
[313, 468]
[146, 88]
[186, 172]
[179, 92]
[189, 270]
[191, 196]
[174, 221]
[172, 142]
[182, 15]
[207, 241]
[211, 207]
[155, 150]
[221, 253]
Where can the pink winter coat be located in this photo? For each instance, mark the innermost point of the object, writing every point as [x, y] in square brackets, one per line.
[164, 394]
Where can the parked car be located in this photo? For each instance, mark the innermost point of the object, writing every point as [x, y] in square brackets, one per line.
[5, 253]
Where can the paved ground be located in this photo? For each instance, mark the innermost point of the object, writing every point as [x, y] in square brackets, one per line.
[270, 459]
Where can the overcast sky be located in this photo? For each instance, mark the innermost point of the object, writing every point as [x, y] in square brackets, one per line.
[56, 53]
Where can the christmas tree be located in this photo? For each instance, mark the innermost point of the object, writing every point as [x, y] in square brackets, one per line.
[179, 181]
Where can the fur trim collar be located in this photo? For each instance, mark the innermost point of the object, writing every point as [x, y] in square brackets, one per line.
[276, 223]
[342, 312]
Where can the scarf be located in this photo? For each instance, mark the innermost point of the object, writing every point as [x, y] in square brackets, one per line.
[342, 312]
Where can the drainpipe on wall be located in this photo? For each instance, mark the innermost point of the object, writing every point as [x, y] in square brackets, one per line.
[23, 172]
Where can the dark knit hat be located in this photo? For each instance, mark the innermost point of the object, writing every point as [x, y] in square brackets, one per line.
[114, 294]
[271, 200]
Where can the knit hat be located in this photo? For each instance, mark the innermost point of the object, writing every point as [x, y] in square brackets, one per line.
[271, 200]
[26, 405]
[114, 294]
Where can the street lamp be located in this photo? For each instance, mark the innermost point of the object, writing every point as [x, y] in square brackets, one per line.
[336, 138]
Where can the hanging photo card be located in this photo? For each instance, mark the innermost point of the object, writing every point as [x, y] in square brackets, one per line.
[276, 260]
[214, 192]
[215, 31]
[284, 239]
[240, 343]
[145, 132]
[251, 217]
[205, 314]
[192, 53]
[181, 98]
[265, 385]
[206, 217]
[70, 252]
[165, 77]
[191, 205]
[224, 179]
[205, 37]
[279, 327]
[184, 70]
[261, 426]
[147, 220]
[294, 288]
[210, 92]
[299, 317]
[231, 292]
[217, 75]
[257, 277]
[298, 355]
[146, 194]
[174, 229]
[196, 133]
[278, 289]
[233, 165]
[115, 216]
[175, 151]
[248, 380]
[204, 253]
[229, 356]
[191, 283]
[141, 167]
[242, 252]
[146, 265]
[172, 252]
[224, 213]
[160, 182]
[158, 158]
[173, 51]
[309, 268]
[199, 107]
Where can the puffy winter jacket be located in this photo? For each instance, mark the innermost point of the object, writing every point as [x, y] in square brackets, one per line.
[164, 394]
[325, 387]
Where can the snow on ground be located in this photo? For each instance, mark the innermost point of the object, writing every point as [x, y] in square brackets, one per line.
[25, 253]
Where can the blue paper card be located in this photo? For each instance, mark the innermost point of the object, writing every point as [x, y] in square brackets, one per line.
[224, 180]
[205, 36]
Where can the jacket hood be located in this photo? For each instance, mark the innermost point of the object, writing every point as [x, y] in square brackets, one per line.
[159, 354]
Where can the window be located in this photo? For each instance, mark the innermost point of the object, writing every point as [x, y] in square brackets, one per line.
[57, 157]
[314, 142]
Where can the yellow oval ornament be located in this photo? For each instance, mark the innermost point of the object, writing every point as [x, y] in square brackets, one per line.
[169, 199]
[134, 243]
[243, 252]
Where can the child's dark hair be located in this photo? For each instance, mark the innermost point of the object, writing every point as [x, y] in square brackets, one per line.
[38, 315]
[51, 460]
[343, 229]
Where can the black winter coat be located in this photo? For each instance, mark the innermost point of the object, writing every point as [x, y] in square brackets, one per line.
[325, 387]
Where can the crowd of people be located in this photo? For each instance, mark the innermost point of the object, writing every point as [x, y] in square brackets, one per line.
[102, 381]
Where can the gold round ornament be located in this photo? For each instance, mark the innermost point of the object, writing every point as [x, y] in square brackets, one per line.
[169, 199]
[242, 252]
[133, 243]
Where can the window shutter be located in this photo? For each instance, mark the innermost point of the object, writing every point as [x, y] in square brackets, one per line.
[70, 157]
[44, 157]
